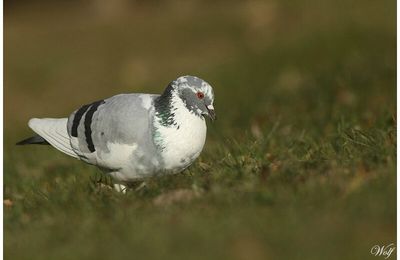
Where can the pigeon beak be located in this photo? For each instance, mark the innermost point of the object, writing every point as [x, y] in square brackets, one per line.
[211, 112]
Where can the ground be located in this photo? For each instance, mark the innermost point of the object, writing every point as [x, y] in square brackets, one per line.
[301, 163]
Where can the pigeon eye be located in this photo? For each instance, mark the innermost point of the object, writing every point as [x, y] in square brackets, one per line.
[200, 95]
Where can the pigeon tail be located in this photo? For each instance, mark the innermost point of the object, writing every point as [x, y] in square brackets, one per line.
[54, 132]
[37, 139]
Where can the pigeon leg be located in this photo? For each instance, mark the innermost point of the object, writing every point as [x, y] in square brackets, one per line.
[120, 188]
[141, 186]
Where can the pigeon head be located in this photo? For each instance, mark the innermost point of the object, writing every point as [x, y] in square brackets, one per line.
[196, 94]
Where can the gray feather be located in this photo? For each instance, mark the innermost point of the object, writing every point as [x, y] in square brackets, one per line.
[121, 119]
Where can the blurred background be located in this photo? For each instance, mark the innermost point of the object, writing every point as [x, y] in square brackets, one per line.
[264, 58]
[305, 90]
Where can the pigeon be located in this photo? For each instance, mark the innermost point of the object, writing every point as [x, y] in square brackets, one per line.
[135, 136]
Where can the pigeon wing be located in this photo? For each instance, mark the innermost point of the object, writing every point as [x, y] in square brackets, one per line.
[123, 119]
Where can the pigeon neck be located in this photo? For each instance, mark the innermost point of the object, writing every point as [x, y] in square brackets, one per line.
[164, 109]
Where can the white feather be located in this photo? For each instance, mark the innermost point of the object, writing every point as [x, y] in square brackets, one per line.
[54, 131]
[183, 145]
[118, 154]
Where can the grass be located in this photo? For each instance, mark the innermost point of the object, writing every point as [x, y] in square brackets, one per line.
[300, 164]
